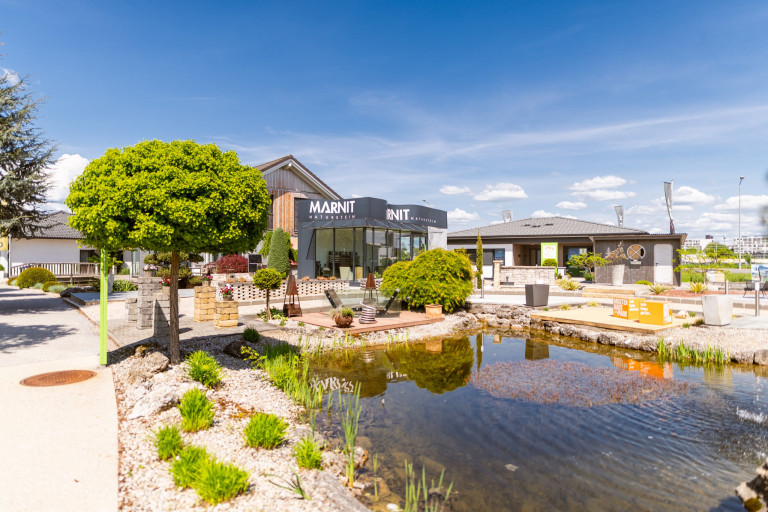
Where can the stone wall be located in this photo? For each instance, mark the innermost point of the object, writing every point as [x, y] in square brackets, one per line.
[225, 314]
[161, 320]
[142, 310]
[205, 300]
[248, 291]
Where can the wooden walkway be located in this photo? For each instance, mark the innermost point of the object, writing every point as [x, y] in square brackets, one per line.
[391, 321]
[603, 318]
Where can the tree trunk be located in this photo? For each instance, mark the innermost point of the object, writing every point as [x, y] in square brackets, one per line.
[173, 338]
[269, 316]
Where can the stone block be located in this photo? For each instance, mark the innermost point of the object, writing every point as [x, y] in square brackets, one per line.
[225, 323]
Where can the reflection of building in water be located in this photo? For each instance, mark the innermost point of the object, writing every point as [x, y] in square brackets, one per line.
[649, 369]
[434, 346]
[535, 350]
[497, 338]
[719, 377]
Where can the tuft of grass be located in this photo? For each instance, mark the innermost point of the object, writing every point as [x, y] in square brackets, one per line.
[565, 307]
[681, 353]
[301, 324]
[186, 468]
[350, 420]
[196, 411]
[204, 369]
[265, 430]
[686, 325]
[697, 287]
[293, 486]
[217, 481]
[168, 442]
[568, 284]
[593, 304]
[658, 288]
[251, 335]
[308, 454]
[691, 314]
[699, 321]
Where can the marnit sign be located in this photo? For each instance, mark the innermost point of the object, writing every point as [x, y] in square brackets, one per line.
[362, 208]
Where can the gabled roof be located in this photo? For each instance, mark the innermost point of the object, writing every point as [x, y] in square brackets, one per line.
[274, 165]
[55, 226]
[546, 226]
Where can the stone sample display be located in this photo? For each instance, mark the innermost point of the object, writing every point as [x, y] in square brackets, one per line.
[205, 301]
[225, 314]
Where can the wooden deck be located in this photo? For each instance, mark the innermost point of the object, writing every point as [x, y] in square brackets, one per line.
[391, 321]
[603, 318]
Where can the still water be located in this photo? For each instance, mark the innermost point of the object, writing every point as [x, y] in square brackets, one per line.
[537, 424]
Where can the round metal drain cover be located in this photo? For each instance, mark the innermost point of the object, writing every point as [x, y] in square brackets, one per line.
[58, 378]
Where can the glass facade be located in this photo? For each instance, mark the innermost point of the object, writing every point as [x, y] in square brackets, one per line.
[353, 253]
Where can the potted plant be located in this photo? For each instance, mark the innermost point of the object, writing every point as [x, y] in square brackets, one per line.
[149, 270]
[226, 292]
[206, 279]
[166, 284]
[615, 260]
[342, 317]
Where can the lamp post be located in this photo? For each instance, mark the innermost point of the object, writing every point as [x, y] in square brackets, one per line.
[741, 178]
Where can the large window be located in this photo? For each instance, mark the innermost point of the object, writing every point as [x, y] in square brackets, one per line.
[324, 253]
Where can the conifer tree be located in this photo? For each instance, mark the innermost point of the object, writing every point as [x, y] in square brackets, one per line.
[278, 253]
[479, 259]
[24, 158]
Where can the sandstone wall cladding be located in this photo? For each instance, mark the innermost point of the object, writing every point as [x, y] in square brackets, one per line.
[225, 314]
[205, 303]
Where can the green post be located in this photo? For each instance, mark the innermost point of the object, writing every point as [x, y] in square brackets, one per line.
[103, 270]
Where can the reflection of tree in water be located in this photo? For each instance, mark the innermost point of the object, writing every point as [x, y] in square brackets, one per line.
[479, 350]
[437, 372]
[343, 369]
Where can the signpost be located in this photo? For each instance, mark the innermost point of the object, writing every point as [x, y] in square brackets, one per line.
[103, 270]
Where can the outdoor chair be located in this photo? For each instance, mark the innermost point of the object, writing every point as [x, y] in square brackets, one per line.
[336, 303]
[382, 310]
[749, 286]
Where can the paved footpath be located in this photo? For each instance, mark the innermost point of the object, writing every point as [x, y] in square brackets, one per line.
[58, 444]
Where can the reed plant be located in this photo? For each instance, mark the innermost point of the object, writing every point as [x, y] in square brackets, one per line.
[350, 421]
[196, 411]
[682, 353]
[293, 486]
[420, 497]
[308, 455]
[168, 442]
[265, 431]
[203, 368]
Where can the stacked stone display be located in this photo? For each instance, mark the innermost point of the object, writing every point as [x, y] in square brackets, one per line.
[161, 324]
[205, 302]
[225, 314]
[148, 287]
[132, 308]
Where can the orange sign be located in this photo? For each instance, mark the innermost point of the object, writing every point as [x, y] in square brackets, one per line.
[626, 308]
[644, 367]
[655, 313]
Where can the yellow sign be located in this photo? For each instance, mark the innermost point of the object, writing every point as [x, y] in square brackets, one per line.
[624, 307]
[3, 243]
[655, 313]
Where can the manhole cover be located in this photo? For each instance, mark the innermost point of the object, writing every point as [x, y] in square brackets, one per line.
[58, 378]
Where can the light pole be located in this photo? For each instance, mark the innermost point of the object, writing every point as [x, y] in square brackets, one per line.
[741, 178]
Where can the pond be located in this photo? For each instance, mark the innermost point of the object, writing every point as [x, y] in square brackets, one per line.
[524, 423]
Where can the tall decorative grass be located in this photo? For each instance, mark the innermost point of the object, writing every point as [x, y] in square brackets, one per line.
[265, 431]
[168, 442]
[196, 411]
[350, 420]
[308, 454]
[204, 369]
[418, 496]
[213, 481]
[684, 354]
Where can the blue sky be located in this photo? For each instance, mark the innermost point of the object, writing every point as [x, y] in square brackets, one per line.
[562, 108]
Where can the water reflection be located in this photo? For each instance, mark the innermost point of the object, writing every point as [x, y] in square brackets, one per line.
[435, 371]
[535, 350]
[657, 370]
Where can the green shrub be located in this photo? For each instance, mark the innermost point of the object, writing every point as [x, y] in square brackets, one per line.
[436, 276]
[308, 454]
[268, 279]
[194, 281]
[38, 286]
[251, 335]
[588, 276]
[697, 287]
[265, 430]
[217, 481]
[699, 321]
[196, 411]
[2, 268]
[278, 253]
[736, 277]
[47, 285]
[642, 281]
[13, 281]
[125, 270]
[658, 288]
[35, 275]
[549, 262]
[186, 468]
[204, 369]
[168, 442]
[123, 285]
[568, 284]
[58, 288]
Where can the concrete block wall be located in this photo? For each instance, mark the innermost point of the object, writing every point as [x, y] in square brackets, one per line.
[526, 275]
[161, 320]
[225, 314]
[148, 287]
[205, 302]
[132, 308]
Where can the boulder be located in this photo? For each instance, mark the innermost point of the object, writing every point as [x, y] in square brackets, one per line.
[761, 357]
[234, 348]
[160, 398]
[147, 365]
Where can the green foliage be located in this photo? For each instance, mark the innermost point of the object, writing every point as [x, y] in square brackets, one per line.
[748, 259]
[217, 482]
[738, 277]
[308, 454]
[47, 285]
[568, 284]
[186, 468]
[204, 369]
[658, 288]
[168, 442]
[587, 261]
[588, 276]
[419, 496]
[34, 275]
[124, 270]
[479, 259]
[251, 335]
[642, 281]
[695, 263]
[718, 251]
[194, 281]
[436, 276]
[699, 321]
[267, 279]
[350, 421]
[185, 274]
[196, 411]
[279, 252]
[549, 262]
[13, 281]
[24, 160]
[38, 286]
[292, 485]
[123, 285]
[2, 268]
[266, 242]
[697, 287]
[266, 246]
[58, 288]
[273, 313]
[265, 431]
[438, 372]
[685, 354]
[164, 258]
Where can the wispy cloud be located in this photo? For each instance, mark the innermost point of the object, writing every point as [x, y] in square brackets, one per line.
[63, 172]
[598, 182]
[501, 192]
[452, 190]
[10, 76]
[571, 205]
[459, 216]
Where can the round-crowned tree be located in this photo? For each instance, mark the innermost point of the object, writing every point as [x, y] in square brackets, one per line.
[170, 197]
[267, 279]
[278, 253]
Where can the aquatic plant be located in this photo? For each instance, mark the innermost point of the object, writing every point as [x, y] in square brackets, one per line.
[293, 486]
[308, 454]
[684, 354]
[419, 496]
[350, 420]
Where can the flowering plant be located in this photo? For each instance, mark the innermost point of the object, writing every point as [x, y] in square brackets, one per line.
[166, 281]
[227, 290]
[150, 267]
[206, 277]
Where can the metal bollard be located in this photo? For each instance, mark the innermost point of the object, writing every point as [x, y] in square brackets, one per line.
[727, 291]
[757, 299]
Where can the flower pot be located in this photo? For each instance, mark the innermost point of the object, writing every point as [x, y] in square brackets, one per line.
[617, 275]
[227, 298]
[343, 321]
[434, 310]
[718, 309]
[536, 295]
[149, 273]
[206, 282]
[166, 290]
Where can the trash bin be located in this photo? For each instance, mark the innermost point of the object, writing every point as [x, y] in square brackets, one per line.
[536, 295]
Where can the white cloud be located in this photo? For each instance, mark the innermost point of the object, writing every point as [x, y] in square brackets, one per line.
[452, 190]
[63, 172]
[644, 209]
[459, 216]
[571, 205]
[691, 195]
[542, 213]
[604, 195]
[11, 76]
[501, 192]
[747, 203]
[598, 182]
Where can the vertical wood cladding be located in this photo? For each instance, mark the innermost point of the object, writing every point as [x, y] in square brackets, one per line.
[286, 186]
